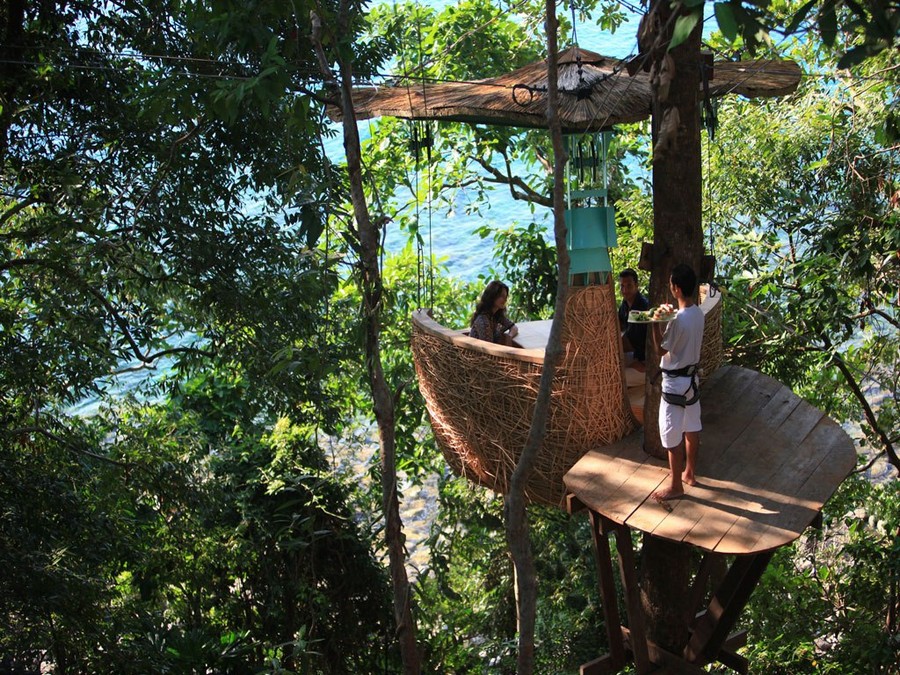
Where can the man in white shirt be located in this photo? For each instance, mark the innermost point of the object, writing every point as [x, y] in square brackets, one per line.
[679, 409]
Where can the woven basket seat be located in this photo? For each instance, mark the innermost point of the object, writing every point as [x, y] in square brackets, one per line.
[481, 396]
[712, 351]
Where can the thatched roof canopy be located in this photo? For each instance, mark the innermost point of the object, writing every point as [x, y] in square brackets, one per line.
[600, 96]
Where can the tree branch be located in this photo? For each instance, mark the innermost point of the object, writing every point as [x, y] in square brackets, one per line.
[135, 348]
[17, 208]
[65, 443]
[878, 312]
[528, 194]
[517, 525]
[869, 414]
[21, 262]
[184, 138]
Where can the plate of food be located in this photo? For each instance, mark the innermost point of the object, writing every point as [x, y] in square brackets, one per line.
[661, 314]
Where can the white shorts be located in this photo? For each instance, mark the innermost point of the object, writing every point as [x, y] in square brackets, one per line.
[675, 420]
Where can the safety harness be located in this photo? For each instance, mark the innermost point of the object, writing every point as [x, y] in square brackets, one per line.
[682, 400]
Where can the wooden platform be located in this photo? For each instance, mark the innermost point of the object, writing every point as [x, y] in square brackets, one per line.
[768, 461]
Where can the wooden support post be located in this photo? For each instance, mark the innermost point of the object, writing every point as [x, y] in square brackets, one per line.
[711, 630]
[607, 595]
[632, 594]
[698, 588]
[710, 640]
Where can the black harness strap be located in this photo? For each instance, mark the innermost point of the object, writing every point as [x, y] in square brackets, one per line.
[682, 400]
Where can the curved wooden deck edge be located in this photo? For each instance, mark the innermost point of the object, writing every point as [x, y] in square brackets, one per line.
[768, 462]
[456, 337]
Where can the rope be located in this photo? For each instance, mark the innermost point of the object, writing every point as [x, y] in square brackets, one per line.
[416, 145]
[419, 253]
[430, 243]
[583, 90]
[429, 140]
[709, 224]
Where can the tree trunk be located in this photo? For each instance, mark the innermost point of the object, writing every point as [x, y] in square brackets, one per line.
[664, 581]
[517, 528]
[383, 402]
[677, 238]
[677, 200]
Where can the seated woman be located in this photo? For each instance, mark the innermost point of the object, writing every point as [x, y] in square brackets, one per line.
[489, 322]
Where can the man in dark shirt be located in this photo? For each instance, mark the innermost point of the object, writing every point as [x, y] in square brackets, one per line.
[634, 335]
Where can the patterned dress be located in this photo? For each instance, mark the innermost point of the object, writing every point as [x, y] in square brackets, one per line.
[486, 328]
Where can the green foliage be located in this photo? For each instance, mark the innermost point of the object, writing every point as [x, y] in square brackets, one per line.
[153, 168]
[802, 202]
[856, 30]
[684, 26]
[468, 612]
[408, 287]
[468, 615]
[223, 546]
[821, 605]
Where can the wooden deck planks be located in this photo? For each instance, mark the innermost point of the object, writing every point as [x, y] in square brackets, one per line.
[768, 462]
[602, 475]
[824, 460]
[758, 479]
[728, 435]
[720, 489]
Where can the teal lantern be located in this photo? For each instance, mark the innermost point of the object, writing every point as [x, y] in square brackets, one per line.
[590, 220]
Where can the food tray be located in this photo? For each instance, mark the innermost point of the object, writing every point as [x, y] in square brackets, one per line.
[637, 316]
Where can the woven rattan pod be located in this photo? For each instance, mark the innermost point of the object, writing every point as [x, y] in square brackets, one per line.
[712, 351]
[481, 396]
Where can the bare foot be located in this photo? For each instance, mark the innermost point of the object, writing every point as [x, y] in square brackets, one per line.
[688, 479]
[665, 495]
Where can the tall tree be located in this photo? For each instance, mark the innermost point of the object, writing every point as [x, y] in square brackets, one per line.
[364, 231]
[677, 238]
[161, 182]
[517, 526]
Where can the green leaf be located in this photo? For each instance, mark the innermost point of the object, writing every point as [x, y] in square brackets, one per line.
[800, 16]
[683, 27]
[828, 23]
[312, 224]
[854, 57]
[727, 23]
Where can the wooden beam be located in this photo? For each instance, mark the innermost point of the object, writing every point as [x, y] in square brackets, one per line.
[698, 588]
[712, 629]
[671, 663]
[608, 596]
[632, 593]
[600, 666]
[733, 660]
[574, 504]
[736, 640]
